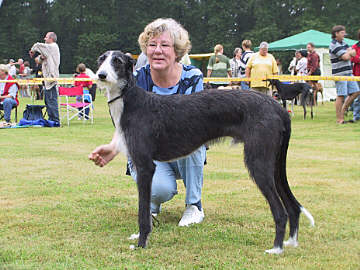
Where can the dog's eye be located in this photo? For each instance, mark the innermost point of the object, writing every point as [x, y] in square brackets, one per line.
[101, 59]
[116, 61]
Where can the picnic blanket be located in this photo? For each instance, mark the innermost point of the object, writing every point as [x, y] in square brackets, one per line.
[39, 122]
[30, 123]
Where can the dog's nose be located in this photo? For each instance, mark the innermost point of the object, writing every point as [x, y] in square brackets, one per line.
[102, 75]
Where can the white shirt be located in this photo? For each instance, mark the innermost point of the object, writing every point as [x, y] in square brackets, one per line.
[301, 67]
[12, 71]
[292, 66]
[235, 67]
[50, 66]
[12, 90]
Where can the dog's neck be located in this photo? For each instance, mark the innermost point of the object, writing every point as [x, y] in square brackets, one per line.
[116, 91]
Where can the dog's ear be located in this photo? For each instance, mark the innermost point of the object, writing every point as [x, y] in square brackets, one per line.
[129, 67]
[130, 62]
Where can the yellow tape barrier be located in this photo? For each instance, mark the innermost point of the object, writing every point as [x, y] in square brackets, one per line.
[286, 78]
[39, 81]
[34, 81]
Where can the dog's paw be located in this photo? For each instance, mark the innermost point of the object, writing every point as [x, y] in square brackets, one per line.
[134, 236]
[274, 250]
[291, 242]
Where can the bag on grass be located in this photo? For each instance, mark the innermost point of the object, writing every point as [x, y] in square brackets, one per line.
[33, 112]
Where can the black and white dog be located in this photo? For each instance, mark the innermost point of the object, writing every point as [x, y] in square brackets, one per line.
[154, 127]
[291, 91]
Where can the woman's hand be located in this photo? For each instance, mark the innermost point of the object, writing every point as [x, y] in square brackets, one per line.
[103, 154]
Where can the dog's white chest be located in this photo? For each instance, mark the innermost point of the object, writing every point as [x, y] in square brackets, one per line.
[116, 110]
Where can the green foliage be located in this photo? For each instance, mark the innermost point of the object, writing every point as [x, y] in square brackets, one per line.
[89, 46]
[78, 23]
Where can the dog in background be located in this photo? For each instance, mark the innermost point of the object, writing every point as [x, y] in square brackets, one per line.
[155, 127]
[317, 88]
[291, 91]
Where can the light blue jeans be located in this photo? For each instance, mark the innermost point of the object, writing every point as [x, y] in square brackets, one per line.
[164, 185]
[356, 107]
[7, 106]
[245, 86]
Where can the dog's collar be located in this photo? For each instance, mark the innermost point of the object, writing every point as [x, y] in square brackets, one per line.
[115, 98]
[121, 95]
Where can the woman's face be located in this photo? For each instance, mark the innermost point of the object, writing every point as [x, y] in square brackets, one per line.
[238, 54]
[263, 51]
[161, 52]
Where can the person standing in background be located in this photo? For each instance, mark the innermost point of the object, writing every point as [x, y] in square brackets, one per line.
[12, 68]
[247, 53]
[293, 63]
[301, 66]
[50, 57]
[340, 56]
[261, 65]
[235, 64]
[356, 72]
[219, 66]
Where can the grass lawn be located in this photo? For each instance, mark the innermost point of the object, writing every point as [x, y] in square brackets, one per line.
[59, 211]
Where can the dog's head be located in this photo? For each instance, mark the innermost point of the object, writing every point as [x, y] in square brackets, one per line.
[115, 71]
[272, 81]
[275, 95]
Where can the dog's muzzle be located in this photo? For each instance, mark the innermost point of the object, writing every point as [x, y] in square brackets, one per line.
[102, 75]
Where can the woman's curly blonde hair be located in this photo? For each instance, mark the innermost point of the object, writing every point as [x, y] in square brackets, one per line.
[179, 35]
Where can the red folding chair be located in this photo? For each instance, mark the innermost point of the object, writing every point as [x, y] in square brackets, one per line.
[75, 108]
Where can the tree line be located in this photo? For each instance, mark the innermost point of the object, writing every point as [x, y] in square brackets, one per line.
[86, 28]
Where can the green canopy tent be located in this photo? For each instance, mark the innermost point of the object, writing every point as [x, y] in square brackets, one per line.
[299, 41]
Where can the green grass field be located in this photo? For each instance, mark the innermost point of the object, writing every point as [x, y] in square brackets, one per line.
[59, 211]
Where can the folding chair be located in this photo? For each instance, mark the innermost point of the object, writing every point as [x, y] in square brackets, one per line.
[75, 109]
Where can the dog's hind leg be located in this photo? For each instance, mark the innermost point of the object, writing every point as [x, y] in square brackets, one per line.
[315, 96]
[322, 97]
[303, 103]
[291, 204]
[292, 209]
[261, 168]
[145, 173]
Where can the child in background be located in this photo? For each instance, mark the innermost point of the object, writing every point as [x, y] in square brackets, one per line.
[86, 85]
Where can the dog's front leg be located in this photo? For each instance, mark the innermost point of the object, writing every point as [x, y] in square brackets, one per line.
[144, 180]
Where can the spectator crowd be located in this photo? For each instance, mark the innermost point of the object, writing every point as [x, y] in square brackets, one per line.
[245, 63]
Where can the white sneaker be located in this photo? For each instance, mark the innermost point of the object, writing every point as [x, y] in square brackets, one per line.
[191, 215]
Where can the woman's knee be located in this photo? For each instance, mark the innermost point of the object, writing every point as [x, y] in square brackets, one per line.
[162, 192]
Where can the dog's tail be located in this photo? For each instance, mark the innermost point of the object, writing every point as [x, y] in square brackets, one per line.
[283, 178]
[308, 215]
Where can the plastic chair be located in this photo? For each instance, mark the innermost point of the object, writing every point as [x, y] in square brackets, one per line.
[75, 109]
